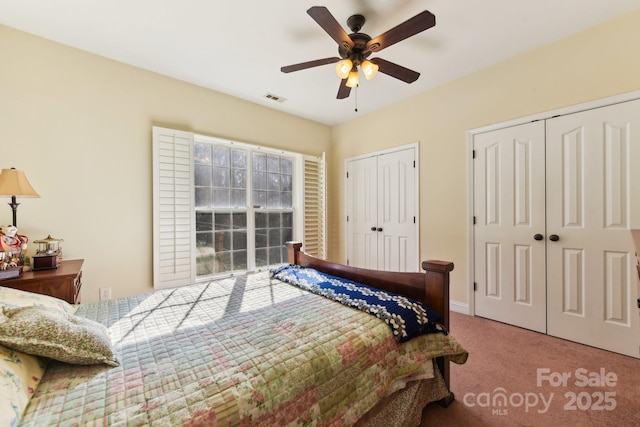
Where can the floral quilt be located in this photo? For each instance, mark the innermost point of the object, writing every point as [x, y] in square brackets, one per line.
[249, 350]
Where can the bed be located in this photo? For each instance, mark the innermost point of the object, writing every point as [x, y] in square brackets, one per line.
[246, 350]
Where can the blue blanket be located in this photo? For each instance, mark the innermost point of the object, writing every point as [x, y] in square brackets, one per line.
[406, 317]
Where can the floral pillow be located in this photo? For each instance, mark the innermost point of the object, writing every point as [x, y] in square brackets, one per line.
[10, 297]
[20, 374]
[48, 332]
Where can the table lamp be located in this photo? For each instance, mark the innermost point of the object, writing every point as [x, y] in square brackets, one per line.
[14, 183]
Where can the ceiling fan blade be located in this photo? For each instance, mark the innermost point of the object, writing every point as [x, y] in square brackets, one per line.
[309, 64]
[325, 19]
[343, 90]
[422, 21]
[395, 70]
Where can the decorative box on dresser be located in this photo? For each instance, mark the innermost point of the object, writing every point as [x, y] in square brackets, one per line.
[63, 282]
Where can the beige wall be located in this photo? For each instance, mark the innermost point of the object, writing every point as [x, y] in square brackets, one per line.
[80, 127]
[594, 64]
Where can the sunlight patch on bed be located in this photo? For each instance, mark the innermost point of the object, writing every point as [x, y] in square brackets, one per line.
[261, 292]
[165, 312]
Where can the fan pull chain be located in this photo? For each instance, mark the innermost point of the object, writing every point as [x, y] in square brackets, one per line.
[356, 98]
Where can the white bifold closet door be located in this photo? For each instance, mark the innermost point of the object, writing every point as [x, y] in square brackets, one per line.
[509, 248]
[554, 202]
[593, 173]
[382, 211]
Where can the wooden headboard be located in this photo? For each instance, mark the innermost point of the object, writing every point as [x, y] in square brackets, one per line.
[430, 287]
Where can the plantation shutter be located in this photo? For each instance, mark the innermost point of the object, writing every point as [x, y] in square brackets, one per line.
[173, 209]
[314, 242]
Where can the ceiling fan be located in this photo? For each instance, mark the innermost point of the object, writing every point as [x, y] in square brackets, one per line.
[355, 48]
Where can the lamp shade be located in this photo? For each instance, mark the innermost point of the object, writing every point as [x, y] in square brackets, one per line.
[369, 69]
[343, 68]
[13, 182]
[352, 80]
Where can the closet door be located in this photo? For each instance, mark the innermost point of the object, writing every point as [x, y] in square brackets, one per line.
[362, 214]
[509, 213]
[396, 225]
[382, 207]
[592, 175]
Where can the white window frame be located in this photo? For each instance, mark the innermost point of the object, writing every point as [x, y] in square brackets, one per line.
[250, 209]
[174, 242]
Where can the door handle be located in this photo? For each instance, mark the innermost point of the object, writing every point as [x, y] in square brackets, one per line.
[373, 229]
[538, 236]
[379, 229]
[554, 237]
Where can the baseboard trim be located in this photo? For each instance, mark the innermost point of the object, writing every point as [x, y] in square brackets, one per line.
[459, 307]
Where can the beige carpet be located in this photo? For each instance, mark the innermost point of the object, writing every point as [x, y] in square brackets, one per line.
[516, 377]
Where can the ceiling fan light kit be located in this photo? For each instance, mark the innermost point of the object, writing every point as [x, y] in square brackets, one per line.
[369, 69]
[343, 68]
[353, 80]
[355, 48]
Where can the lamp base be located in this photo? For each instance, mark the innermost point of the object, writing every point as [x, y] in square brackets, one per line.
[14, 207]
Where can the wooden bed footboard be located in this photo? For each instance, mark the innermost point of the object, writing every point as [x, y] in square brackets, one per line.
[430, 287]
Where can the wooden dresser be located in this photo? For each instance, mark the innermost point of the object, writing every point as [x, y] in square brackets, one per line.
[63, 282]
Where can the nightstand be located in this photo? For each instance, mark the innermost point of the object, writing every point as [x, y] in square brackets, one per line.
[63, 282]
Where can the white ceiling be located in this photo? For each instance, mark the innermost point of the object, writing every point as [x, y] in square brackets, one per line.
[238, 46]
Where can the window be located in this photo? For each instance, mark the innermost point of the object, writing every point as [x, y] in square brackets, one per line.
[232, 183]
[220, 188]
[223, 207]
[272, 179]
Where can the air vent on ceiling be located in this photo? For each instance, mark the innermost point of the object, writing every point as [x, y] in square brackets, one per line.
[276, 98]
